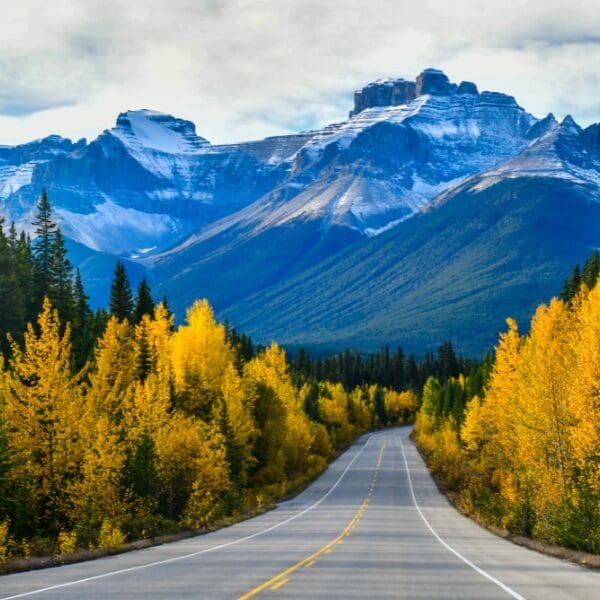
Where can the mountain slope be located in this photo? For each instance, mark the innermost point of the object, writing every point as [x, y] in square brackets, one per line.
[349, 181]
[433, 211]
[454, 272]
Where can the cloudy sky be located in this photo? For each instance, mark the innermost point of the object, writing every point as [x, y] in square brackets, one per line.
[244, 69]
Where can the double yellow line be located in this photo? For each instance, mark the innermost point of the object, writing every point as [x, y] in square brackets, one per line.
[282, 578]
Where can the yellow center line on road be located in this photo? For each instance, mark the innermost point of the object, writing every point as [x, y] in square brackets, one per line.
[282, 578]
[280, 584]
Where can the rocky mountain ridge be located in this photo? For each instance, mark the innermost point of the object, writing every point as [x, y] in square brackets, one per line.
[240, 222]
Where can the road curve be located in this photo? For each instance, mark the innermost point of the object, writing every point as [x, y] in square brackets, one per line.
[372, 526]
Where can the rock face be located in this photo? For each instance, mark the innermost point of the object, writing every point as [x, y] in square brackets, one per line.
[389, 92]
[395, 92]
[467, 87]
[434, 82]
[591, 140]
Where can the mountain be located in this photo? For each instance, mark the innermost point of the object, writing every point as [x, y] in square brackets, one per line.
[139, 187]
[434, 210]
[494, 245]
[348, 182]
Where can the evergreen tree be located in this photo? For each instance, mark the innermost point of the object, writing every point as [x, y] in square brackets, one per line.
[311, 402]
[380, 410]
[143, 358]
[398, 381]
[121, 300]
[11, 314]
[144, 305]
[43, 247]
[140, 469]
[571, 285]
[412, 374]
[60, 289]
[165, 303]
[448, 364]
[25, 269]
[83, 331]
[591, 270]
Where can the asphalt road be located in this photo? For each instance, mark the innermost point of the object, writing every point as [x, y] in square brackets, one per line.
[372, 526]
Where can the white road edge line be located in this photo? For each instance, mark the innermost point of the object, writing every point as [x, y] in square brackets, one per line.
[473, 566]
[199, 552]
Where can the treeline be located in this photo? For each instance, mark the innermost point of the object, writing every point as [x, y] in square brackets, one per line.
[524, 453]
[148, 428]
[162, 429]
[33, 270]
[588, 275]
[389, 369]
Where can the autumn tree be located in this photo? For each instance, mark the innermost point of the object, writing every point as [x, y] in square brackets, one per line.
[44, 400]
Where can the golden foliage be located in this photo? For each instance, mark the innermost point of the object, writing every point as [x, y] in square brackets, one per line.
[163, 426]
[530, 448]
[4, 541]
[111, 537]
[67, 542]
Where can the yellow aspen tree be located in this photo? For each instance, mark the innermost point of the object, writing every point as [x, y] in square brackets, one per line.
[333, 404]
[158, 334]
[400, 406]
[360, 410]
[145, 408]
[470, 432]
[238, 398]
[192, 462]
[200, 356]
[95, 494]
[148, 399]
[43, 406]
[544, 418]
[584, 392]
[114, 372]
[494, 432]
[271, 370]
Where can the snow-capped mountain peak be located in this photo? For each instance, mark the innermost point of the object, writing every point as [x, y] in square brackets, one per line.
[151, 182]
[162, 144]
[158, 131]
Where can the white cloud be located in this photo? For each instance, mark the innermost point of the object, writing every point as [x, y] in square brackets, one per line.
[244, 69]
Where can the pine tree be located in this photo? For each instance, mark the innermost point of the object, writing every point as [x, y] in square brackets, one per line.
[380, 410]
[121, 301]
[398, 370]
[60, 289]
[43, 247]
[448, 362]
[83, 333]
[311, 402]
[11, 306]
[25, 269]
[591, 270]
[571, 285]
[140, 469]
[144, 305]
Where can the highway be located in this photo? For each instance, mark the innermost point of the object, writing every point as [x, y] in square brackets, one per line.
[372, 526]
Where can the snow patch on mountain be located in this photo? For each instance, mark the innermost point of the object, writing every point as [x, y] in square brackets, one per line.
[118, 230]
[161, 143]
[14, 177]
[554, 154]
[343, 134]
